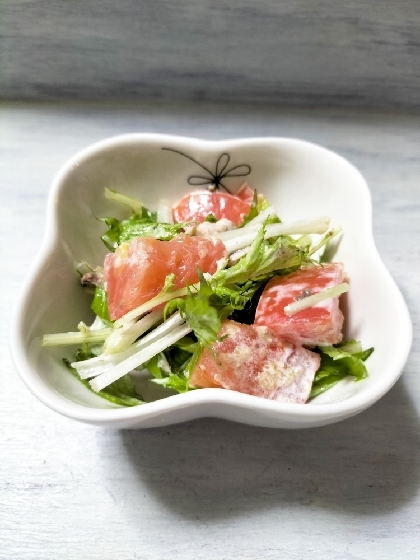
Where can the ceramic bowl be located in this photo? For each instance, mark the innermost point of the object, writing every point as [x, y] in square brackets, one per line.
[302, 180]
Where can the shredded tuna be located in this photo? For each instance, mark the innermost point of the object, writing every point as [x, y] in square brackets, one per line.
[95, 278]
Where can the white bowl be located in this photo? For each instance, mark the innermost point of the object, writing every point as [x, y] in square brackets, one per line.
[301, 179]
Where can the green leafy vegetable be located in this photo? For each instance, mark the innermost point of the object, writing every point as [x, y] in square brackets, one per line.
[100, 305]
[141, 223]
[247, 314]
[138, 225]
[122, 392]
[265, 259]
[172, 368]
[337, 362]
[169, 284]
[202, 310]
[211, 218]
[258, 204]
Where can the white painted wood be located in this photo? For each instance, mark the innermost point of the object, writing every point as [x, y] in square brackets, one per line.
[208, 489]
[304, 52]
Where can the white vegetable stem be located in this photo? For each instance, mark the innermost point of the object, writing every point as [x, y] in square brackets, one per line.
[87, 335]
[121, 338]
[164, 212]
[324, 240]
[262, 216]
[98, 365]
[253, 224]
[310, 301]
[132, 203]
[320, 225]
[162, 297]
[137, 359]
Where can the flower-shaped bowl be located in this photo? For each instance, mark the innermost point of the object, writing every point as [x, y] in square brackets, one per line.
[300, 179]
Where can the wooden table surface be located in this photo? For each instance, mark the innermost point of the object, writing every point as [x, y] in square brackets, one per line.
[209, 489]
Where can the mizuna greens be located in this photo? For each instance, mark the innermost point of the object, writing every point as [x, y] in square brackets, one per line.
[167, 334]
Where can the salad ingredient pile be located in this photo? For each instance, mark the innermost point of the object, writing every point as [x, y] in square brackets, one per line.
[223, 295]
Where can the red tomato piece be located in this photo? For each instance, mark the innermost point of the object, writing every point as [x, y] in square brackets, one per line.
[198, 205]
[320, 324]
[257, 361]
[245, 193]
[137, 270]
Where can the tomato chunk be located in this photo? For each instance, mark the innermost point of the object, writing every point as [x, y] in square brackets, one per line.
[245, 193]
[137, 270]
[320, 324]
[198, 205]
[257, 361]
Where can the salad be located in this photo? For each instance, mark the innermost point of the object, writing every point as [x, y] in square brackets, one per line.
[216, 292]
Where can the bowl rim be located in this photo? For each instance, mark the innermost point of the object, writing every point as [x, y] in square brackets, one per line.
[61, 404]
